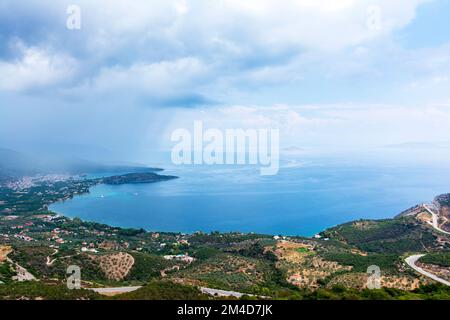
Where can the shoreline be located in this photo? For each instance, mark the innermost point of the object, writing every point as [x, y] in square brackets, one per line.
[203, 231]
[99, 182]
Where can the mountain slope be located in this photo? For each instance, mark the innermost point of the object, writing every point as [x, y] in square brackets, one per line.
[14, 164]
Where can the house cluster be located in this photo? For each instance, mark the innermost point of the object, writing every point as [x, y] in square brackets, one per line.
[318, 236]
[97, 233]
[23, 237]
[21, 184]
[10, 218]
[280, 238]
[49, 218]
[105, 245]
[4, 236]
[180, 257]
[22, 226]
[88, 247]
[29, 182]
[56, 235]
[183, 242]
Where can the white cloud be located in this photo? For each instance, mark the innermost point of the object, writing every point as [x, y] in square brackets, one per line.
[330, 127]
[36, 68]
[264, 25]
[153, 78]
[319, 24]
[214, 48]
[260, 59]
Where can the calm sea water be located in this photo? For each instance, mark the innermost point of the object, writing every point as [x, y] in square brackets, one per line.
[301, 200]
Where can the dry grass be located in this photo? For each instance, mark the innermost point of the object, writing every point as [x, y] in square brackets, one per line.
[4, 251]
[441, 272]
[303, 268]
[116, 266]
[292, 252]
[231, 272]
[424, 217]
[445, 215]
[359, 281]
[364, 225]
[308, 275]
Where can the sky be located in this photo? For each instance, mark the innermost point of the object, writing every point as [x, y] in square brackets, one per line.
[330, 75]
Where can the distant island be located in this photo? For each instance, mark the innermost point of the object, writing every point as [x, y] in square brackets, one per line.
[141, 177]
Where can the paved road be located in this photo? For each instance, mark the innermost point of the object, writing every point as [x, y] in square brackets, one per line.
[435, 220]
[225, 293]
[411, 261]
[49, 261]
[212, 292]
[115, 291]
[221, 293]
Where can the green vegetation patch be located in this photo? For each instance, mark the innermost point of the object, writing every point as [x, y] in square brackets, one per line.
[34, 259]
[394, 236]
[439, 259]
[6, 272]
[387, 262]
[233, 272]
[204, 253]
[147, 266]
[39, 290]
[163, 290]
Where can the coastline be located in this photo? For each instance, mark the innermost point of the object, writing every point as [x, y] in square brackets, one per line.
[100, 182]
[183, 225]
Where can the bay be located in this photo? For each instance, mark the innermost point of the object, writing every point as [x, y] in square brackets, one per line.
[303, 199]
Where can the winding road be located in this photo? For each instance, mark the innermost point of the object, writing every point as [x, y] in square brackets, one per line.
[435, 223]
[49, 261]
[411, 261]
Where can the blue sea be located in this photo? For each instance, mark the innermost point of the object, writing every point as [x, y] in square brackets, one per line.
[303, 199]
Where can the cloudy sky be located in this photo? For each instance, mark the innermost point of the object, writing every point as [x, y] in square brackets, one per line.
[329, 74]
